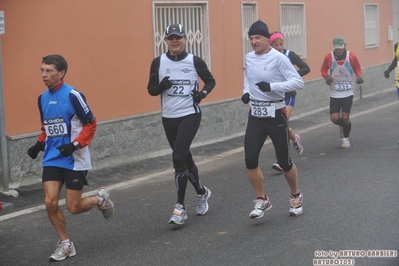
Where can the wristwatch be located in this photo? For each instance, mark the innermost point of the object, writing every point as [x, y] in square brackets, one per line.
[205, 93]
[76, 144]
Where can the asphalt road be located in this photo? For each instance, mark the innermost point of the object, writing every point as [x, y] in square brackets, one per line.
[350, 205]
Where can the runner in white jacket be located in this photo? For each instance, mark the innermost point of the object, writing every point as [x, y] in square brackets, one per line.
[268, 76]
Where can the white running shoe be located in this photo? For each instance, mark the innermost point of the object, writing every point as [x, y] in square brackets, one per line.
[260, 207]
[202, 202]
[297, 144]
[345, 143]
[107, 207]
[63, 251]
[179, 215]
[296, 205]
[277, 167]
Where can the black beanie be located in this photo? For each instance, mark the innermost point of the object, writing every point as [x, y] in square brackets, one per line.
[259, 28]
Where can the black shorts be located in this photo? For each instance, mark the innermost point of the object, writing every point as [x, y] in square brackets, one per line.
[338, 104]
[258, 129]
[73, 179]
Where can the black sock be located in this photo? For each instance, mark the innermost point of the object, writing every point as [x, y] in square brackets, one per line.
[194, 179]
[181, 185]
[347, 129]
[296, 195]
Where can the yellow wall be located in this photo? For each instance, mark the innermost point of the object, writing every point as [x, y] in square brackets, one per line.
[109, 48]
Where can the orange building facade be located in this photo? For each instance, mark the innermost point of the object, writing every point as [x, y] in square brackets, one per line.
[109, 46]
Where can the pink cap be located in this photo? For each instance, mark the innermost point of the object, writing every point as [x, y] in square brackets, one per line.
[277, 35]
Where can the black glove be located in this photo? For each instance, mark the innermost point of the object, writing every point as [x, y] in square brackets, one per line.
[263, 86]
[359, 80]
[67, 149]
[245, 98]
[35, 149]
[386, 74]
[198, 96]
[165, 83]
[329, 80]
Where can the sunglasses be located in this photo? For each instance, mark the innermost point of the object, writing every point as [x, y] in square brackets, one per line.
[171, 37]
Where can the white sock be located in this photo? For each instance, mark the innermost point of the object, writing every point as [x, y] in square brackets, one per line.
[100, 200]
[66, 242]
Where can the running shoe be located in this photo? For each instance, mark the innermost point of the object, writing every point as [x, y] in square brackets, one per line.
[260, 207]
[179, 215]
[63, 251]
[277, 167]
[296, 204]
[345, 143]
[297, 144]
[202, 202]
[107, 207]
[341, 133]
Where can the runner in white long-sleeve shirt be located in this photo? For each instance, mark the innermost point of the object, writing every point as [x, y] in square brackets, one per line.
[268, 76]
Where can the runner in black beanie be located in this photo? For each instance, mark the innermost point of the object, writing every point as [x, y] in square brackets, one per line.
[259, 28]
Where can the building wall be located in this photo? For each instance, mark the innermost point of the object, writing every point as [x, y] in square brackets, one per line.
[109, 48]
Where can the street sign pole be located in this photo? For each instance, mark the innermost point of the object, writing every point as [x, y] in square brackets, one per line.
[4, 156]
[3, 136]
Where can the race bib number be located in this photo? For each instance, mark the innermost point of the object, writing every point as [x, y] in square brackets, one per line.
[55, 127]
[343, 85]
[263, 109]
[180, 88]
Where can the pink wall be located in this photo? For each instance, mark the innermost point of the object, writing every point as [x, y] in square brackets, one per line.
[109, 48]
[345, 18]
